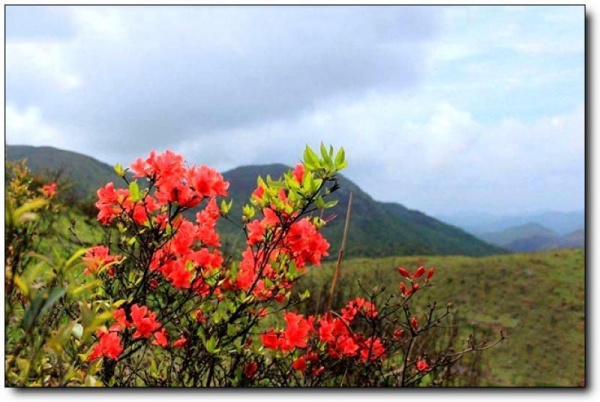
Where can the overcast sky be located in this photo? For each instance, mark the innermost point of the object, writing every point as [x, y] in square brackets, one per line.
[443, 109]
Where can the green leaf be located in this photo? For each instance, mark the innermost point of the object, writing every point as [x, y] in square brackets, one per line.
[31, 206]
[330, 204]
[75, 256]
[311, 160]
[211, 345]
[22, 285]
[340, 159]
[87, 286]
[319, 203]
[326, 156]
[134, 191]
[54, 296]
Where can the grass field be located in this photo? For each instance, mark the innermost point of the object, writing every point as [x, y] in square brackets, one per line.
[537, 300]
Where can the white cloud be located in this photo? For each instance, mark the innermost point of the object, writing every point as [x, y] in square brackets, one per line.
[28, 127]
[438, 108]
[429, 159]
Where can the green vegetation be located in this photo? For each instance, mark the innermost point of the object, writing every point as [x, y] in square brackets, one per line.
[537, 300]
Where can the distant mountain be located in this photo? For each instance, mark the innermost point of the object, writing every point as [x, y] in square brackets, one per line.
[480, 223]
[534, 237]
[85, 173]
[376, 228]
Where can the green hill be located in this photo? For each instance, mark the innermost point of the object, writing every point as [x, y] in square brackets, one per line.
[84, 172]
[376, 228]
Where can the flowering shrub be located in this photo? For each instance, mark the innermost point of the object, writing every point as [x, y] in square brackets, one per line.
[171, 309]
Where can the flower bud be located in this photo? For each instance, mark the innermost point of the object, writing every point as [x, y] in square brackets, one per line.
[414, 323]
[419, 272]
[429, 275]
[403, 272]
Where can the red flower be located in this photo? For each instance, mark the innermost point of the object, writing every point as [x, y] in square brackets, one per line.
[299, 364]
[305, 243]
[419, 272]
[299, 172]
[107, 204]
[347, 346]
[207, 224]
[258, 193]
[255, 232]
[423, 366]
[160, 338]
[181, 342]
[326, 329]
[180, 277]
[144, 321]
[120, 317]
[206, 181]
[297, 331]
[49, 190]
[109, 345]
[269, 339]
[372, 350]
[250, 369]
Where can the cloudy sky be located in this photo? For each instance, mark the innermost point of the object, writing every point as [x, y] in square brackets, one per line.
[443, 109]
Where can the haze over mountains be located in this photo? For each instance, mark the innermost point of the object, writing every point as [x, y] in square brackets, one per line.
[376, 228]
[480, 223]
[534, 237]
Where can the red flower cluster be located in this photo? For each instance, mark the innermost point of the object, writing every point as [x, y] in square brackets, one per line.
[357, 305]
[49, 190]
[99, 257]
[414, 286]
[335, 332]
[109, 345]
[180, 261]
[174, 184]
[142, 320]
[296, 334]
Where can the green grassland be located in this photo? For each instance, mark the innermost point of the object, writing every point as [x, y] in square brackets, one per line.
[537, 300]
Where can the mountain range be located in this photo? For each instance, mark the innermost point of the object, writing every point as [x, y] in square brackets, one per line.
[479, 223]
[534, 237]
[376, 228]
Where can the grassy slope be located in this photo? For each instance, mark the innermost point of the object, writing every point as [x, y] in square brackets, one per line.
[536, 299]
